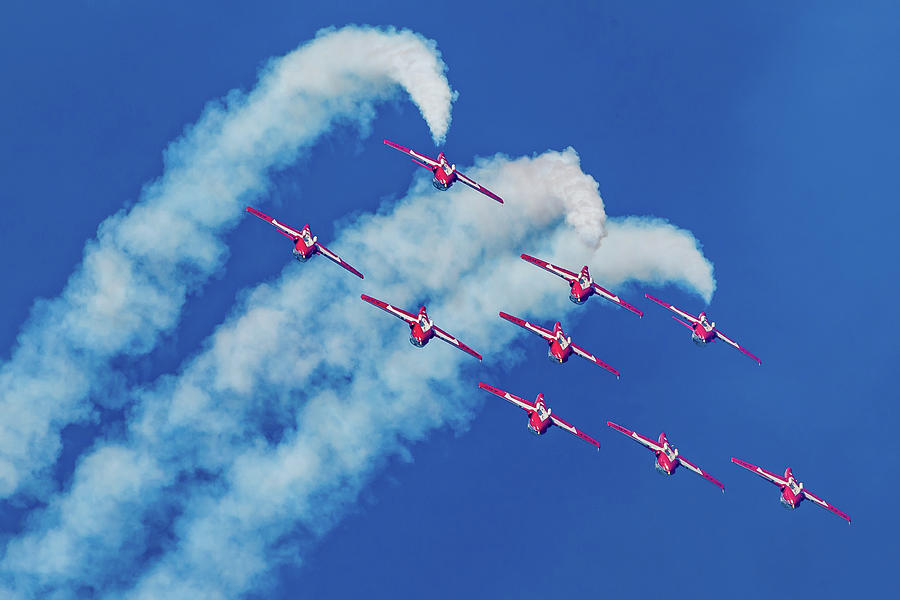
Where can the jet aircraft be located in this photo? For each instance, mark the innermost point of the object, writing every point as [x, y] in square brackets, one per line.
[792, 491]
[421, 327]
[540, 418]
[561, 346]
[445, 174]
[581, 285]
[667, 456]
[305, 244]
[703, 330]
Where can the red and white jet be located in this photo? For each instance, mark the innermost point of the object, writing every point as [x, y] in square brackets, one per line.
[421, 328]
[667, 457]
[539, 416]
[581, 285]
[561, 346]
[305, 244]
[445, 174]
[703, 330]
[792, 491]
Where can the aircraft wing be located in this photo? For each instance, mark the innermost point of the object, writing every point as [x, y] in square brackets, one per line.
[613, 298]
[558, 271]
[281, 227]
[334, 257]
[475, 186]
[454, 342]
[675, 310]
[425, 161]
[520, 402]
[645, 441]
[400, 314]
[574, 430]
[730, 341]
[544, 333]
[776, 479]
[585, 354]
[689, 465]
[824, 504]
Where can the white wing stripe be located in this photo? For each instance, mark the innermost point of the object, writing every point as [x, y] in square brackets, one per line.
[640, 440]
[535, 329]
[515, 401]
[284, 228]
[778, 480]
[329, 253]
[559, 423]
[397, 312]
[559, 272]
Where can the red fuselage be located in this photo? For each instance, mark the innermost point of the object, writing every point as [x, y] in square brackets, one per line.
[305, 246]
[444, 175]
[581, 288]
[666, 459]
[422, 330]
[703, 335]
[560, 347]
[792, 493]
[539, 420]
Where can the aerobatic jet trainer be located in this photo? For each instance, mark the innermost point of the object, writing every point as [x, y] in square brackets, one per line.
[421, 327]
[581, 285]
[703, 330]
[792, 491]
[305, 244]
[667, 456]
[445, 174]
[561, 346]
[539, 415]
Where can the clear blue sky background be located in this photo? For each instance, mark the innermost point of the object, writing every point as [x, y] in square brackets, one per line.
[770, 132]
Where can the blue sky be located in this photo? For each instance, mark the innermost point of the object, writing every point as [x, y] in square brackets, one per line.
[765, 132]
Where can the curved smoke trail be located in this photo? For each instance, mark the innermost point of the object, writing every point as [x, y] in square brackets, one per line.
[251, 452]
[137, 274]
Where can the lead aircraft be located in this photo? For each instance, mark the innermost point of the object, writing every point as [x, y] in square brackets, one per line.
[667, 456]
[703, 330]
[540, 417]
[581, 285]
[305, 243]
[792, 491]
[445, 174]
[421, 327]
[561, 346]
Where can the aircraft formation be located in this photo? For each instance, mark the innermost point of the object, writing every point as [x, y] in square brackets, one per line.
[560, 345]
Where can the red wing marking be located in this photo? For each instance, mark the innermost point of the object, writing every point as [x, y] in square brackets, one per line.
[281, 227]
[558, 271]
[334, 257]
[688, 464]
[728, 340]
[824, 504]
[454, 342]
[480, 188]
[544, 333]
[644, 441]
[678, 311]
[585, 354]
[772, 477]
[401, 314]
[430, 163]
[612, 297]
[574, 430]
[520, 402]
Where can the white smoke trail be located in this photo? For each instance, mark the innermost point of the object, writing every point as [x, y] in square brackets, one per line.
[249, 454]
[136, 275]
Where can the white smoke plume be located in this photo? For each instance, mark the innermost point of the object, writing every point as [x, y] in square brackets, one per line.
[250, 453]
[136, 275]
